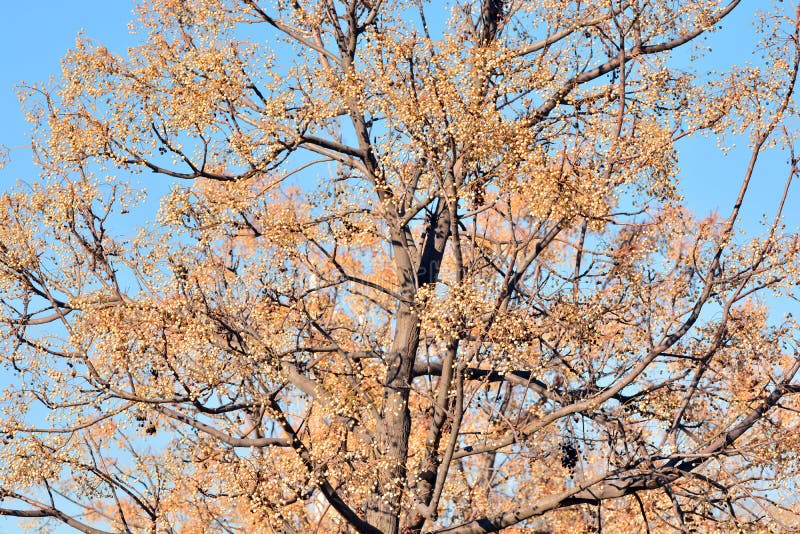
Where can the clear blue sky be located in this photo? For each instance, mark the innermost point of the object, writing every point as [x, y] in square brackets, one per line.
[32, 42]
[35, 36]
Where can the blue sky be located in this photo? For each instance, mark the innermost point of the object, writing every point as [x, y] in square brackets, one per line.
[34, 40]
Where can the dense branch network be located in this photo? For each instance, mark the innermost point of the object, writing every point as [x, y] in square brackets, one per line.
[414, 273]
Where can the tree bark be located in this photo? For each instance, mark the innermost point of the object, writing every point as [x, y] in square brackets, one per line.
[383, 507]
[383, 510]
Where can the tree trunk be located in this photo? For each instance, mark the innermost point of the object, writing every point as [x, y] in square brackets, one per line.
[383, 506]
[383, 510]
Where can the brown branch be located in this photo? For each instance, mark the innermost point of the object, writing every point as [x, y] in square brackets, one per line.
[218, 434]
[43, 510]
[632, 481]
[614, 63]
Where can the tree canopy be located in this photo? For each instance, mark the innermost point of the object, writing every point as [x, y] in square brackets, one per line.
[423, 267]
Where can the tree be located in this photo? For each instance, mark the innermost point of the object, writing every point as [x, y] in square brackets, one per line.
[411, 276]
